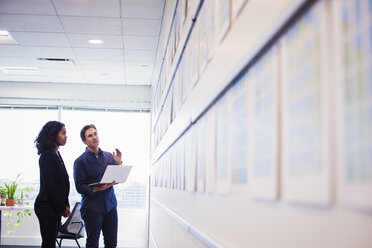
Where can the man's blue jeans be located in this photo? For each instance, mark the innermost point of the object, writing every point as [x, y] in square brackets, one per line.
[95, 222]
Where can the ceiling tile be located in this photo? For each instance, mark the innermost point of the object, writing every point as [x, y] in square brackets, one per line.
[41, 39]
[2, 26]
[140, 42]
[138, 67]
[137, 81]
[105, 77]
[110, 41]
[17, 62]
[49, 52]
[41, 7]
[11, 51]
[28, 78]
[106, 80]
[104, 73]
[139, 55]
[59, 79]
[97, 53]
[105, 8]
[91, 25]
[53, 72]
[36, 23]
[141, 27]
[150, 9]
[101, 65]
[135, 71]
[62, 28]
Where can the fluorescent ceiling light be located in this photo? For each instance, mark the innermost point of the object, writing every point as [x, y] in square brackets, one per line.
[9, 70]
[96, 42]
[4, 33]
[6, 38]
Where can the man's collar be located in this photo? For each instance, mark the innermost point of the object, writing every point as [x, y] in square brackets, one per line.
[87, 151]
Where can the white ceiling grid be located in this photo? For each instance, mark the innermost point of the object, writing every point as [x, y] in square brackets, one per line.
[60, 29]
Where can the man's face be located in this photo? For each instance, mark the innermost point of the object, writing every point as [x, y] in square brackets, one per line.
[91, 138]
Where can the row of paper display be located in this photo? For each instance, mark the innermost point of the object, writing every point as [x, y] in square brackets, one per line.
[211, 25]
[296, 126]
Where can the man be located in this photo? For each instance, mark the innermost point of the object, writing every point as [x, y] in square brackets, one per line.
[98, 205]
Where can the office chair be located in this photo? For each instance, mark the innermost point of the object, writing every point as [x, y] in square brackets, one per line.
[73, 228]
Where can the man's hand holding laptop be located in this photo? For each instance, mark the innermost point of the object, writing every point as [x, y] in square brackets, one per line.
[103, 186]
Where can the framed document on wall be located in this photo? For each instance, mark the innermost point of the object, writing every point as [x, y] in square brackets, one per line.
[239, 135]
[305, 141]
[210, 151]
[190, 147]
[236, 7]
[201, 129]
[263, 87]
[354, 56]
[223, 139]
[222, 18]
[209, 7]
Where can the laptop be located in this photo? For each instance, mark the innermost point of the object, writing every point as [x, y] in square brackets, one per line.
[114, 173]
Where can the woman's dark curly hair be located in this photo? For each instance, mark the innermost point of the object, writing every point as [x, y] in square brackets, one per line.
[47, 137]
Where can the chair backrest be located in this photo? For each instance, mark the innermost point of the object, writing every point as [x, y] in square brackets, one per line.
[74, 222]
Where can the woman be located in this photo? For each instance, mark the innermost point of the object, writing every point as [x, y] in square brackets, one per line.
[52, 200]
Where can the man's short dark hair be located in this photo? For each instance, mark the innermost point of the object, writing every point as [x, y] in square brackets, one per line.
[84, 129]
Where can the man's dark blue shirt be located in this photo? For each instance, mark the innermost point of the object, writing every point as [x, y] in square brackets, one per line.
[89, 169]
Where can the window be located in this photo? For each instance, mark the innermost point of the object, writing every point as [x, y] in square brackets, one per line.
[127, 131]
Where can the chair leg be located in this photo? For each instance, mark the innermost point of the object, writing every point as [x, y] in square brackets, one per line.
[59, 243]
[77, 243]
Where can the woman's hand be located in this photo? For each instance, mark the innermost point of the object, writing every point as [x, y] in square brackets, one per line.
[66, 213]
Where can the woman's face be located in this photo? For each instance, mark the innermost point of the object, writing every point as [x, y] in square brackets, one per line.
[61, 137]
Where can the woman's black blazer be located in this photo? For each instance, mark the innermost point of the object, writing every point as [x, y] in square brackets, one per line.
[54, 181]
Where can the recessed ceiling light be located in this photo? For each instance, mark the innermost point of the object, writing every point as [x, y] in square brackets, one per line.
[6, 38]
[96, 42]
[4, 33]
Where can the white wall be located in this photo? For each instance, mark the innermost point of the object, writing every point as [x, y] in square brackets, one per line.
[189, 218]
[237, 221]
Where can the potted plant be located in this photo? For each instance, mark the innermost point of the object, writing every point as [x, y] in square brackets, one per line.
[14, 219]
[2, 195]
[15, 216]
[10, 192]
[24, 193]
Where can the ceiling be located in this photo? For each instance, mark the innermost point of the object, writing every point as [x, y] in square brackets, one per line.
[52, 41]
